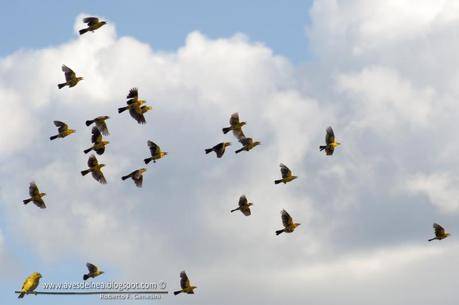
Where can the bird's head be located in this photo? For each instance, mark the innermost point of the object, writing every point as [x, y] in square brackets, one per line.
[142, 170]
[42, 194]
[103, 23]
[164, 153]
[37, 275]
[141, 101]
[250, 204]
[338, 143]
[297, 224]
[447, 234]
[101, 165]
[106, 142]
[80, 78]
[105, 117]
[294, 177]
[226, 144]
[256, 143]
[72, 131]
[146, 108]
[242, 123]
[101, 272]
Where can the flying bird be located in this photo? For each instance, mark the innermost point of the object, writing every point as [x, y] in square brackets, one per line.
[330, 142]
[155, 152]
[134, 106]
[247, 144]
[286, 175]
[98, 142]
[100, 124]
[96, 169]
[235, 126]
[93, 24]
[137, 176]
[244, 206]
[35, 196]
[287, 221]
[185, 284]
[71, 79]
[93, 271]
[30, 284]
[62, 129]
[219, 149]
[440, 232]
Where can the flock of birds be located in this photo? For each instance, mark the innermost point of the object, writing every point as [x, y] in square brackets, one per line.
[137, 110]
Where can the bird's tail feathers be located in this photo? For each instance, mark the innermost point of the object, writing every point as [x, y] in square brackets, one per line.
[226, 130]
[147, 160]
[82, 31]
[21, 295]
[60, 86]
[177, 292]
[89, 122]
[432, 239]
[322, 147]
[234, 210]
[53, 137]
[278, 181]
[85, 172]
[125, 177]
[279, 231]
[85, 277]
[26, 201]
[87, 150]
[239, 150]
[209, 150]
[122, 109]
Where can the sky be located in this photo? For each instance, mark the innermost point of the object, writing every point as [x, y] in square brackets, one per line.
[383, 74]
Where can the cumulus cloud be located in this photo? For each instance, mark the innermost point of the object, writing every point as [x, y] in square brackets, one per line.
[363, 225]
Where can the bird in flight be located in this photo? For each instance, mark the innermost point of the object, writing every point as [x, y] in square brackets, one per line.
[330, 142]
[96, 169]
[62, 129]
[185, 284]
[440, 232]
[155, 151]
[93, 271]
[35, 196]
[98, 142]
[93, 24]
[100, 124]
[219, 149]
[133, 105]
[244, 206]
[286, 175]
[71, 79]
[235, 126]
[247, 144]
[287, 221]
[137, 176]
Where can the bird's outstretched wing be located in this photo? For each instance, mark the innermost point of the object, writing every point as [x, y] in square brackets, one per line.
[133, 93]
[184, 281]
[61, 126]
[91, 268]
[92, 161]
[96, 135]
[285, 171]
[286, 219]
[439, 230]
[33, 189]
[234, 119]
[69, 74]
[137, 115]
[329, 136]
[90, 21]
[154, 149]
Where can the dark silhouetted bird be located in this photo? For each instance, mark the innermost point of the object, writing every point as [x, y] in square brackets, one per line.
[244, 206]
[137, 176]
[93, 24]
[219, 149]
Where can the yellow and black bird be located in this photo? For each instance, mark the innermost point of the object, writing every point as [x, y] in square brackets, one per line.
[96, 169]
[35, 196]
[235, 126]
[155, 151]
[100, 124]
[137, 176]
[330, 142]
[93, 271]
[247, 144]
[244, 206]
[440, 232]
[134, 106]
[219, 149]
[71, 79]
[30, 284]
[93, 24]
[287, 221]
[185, 284]
[286, 175]
[62, 129]
[98, 142]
